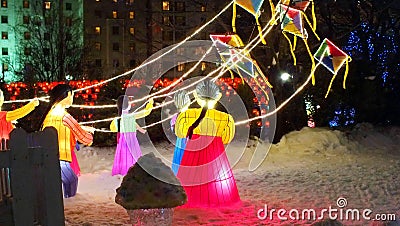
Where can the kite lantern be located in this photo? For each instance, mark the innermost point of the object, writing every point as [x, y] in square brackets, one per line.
[237, 60]
[292, 21]
[333, 59]
[230, 39]
[251, 6]
[302, 5]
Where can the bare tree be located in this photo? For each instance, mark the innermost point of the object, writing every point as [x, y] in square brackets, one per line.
[50, 44]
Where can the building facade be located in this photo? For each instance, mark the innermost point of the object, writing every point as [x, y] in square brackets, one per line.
[121, 34]
[38, 37]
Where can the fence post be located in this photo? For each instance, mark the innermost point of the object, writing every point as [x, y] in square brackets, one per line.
[54, 207]
[21, 179]
[6, 217]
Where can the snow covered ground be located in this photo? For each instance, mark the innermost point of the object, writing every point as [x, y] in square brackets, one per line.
[307, 169]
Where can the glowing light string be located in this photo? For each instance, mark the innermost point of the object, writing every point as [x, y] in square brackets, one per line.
[223, 66]
[118, 117]
[149, 62]
[159, 57]
[94, 106]
[286, 101]
[173, 84]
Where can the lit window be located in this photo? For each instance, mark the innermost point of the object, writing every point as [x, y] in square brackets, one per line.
[27, 35]
[203, 66]
[4, 19]
[4, 35]
[165, 5]
[115, 30]
[47, 5]
[115, 46]
[68, 6]
[25, 19]
[166, 20]
[97, 46]
[4, 3]
[4, 51]
[114, 14]
[115, 1]
[181, 66]
[131, 15]
[25, 4]
[5, 67]
[97, 30]
[203, 8]
[132, 30]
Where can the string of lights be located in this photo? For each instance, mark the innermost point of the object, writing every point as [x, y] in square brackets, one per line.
[145, 64]
[223, 68]
[162, 55]
[284, 102]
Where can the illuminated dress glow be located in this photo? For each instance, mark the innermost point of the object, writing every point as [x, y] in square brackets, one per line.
[205, 172]
[69, 131]
[128, 149]
[182, 102]
[180, 145]
[6, 117]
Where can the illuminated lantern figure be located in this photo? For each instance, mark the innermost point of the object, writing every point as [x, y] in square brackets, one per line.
[68, 130]
[333, 59]
[74, 163]
[253, 7]
[6, 117]
[182, 102]
[205, 172]
[128, 149]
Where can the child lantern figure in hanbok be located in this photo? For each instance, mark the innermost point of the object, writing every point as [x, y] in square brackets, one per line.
[182, 102]
[7, 117]
[205, 172]
[68, 130]
[128, 149]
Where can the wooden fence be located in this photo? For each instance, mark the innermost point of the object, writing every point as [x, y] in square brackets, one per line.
[30, 181]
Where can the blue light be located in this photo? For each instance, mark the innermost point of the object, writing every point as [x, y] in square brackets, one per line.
[343, 117]
[380, 47]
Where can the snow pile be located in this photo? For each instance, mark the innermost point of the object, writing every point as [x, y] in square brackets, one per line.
[310, 168]
[316, 140]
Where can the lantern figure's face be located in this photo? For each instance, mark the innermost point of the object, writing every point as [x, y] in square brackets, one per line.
[209, 102]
